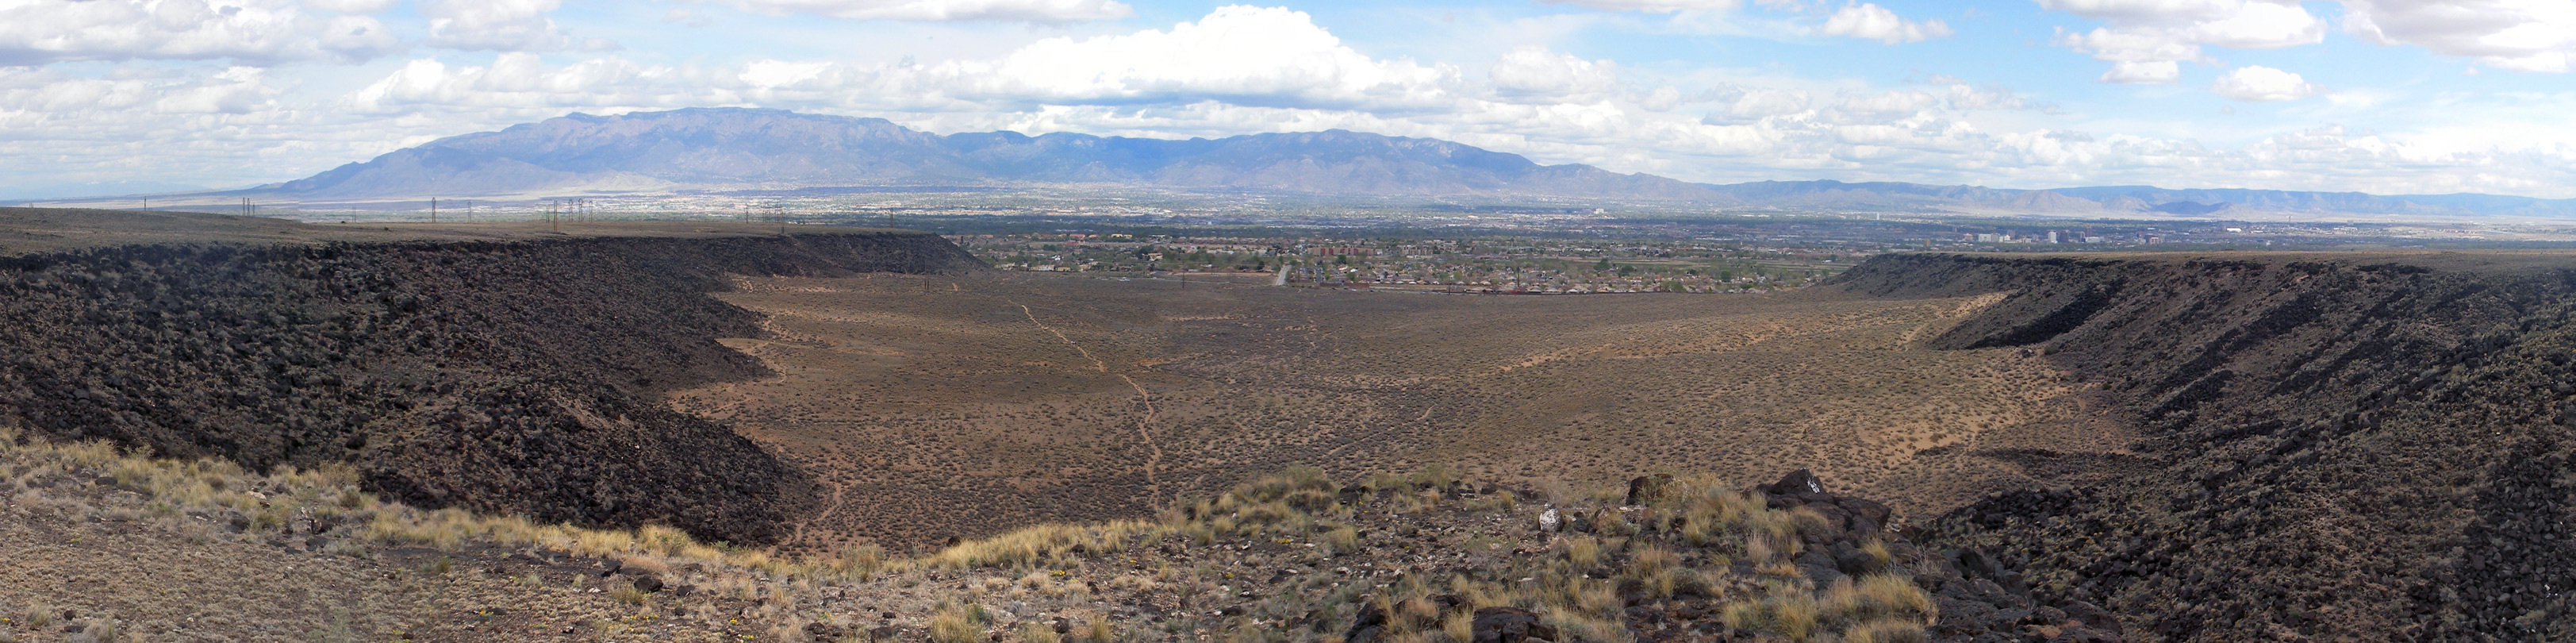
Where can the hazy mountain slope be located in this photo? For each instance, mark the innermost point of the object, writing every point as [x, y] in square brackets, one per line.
[683, 148]
[755, 148]
[737, 149]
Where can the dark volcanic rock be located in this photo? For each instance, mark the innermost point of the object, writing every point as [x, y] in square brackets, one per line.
[1644, 489]
[1509, 625]
[1797, 482]
[1369, 626]
[514, 377]
[2336, 447]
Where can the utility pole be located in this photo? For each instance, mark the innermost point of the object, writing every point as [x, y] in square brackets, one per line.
[433, 209]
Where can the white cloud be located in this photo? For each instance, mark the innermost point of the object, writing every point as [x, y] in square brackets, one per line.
[1653, 6]
[496, 25]
[519, 83]
[35, 32]
[2143, 36]
[2145, 40]
[2143, 72]
[2520, 35]
[1765, 103]
[1237, 53]
[1663, 99]
[1046, 11]
[1533, 72]
[2258, 83]
[1868, 21]
[352, 6]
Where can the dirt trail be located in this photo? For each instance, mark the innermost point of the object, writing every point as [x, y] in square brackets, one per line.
[797, 537]
[1144, 425]
[1096, 364]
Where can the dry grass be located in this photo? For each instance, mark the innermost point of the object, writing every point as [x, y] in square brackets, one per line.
[958, 624]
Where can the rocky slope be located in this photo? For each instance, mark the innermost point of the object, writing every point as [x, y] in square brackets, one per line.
[2339, 447]
[507, 376]
[1426, 557]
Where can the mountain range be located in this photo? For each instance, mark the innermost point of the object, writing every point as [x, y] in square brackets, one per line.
[725, 149]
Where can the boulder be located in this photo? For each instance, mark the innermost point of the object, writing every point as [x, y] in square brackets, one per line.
[1509, 625]
[1854, 561]
[1799, 482]
[1370, 626]
[1645, 489]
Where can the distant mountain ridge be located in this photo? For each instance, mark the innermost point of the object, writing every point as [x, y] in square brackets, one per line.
[709, 149]
[731, 148]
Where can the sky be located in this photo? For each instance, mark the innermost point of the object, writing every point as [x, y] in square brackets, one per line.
[2379, 96]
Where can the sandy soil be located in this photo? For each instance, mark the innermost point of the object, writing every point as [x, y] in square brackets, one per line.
[960, 406]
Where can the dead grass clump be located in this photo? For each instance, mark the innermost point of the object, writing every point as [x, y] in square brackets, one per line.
[1788, 611]
[1099, 631]
[1581, 551]
[862, 560]
[628, 594]
[1879, 597]
[955, 622]
[1342, 541]
[1887, 631]
[1035, 632]
[1036, 546]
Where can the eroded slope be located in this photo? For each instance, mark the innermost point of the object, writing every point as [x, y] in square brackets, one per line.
[2349, 447]
[512, 376]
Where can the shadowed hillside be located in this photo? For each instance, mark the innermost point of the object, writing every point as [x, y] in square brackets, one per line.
[503, 375]
[2345, 446]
